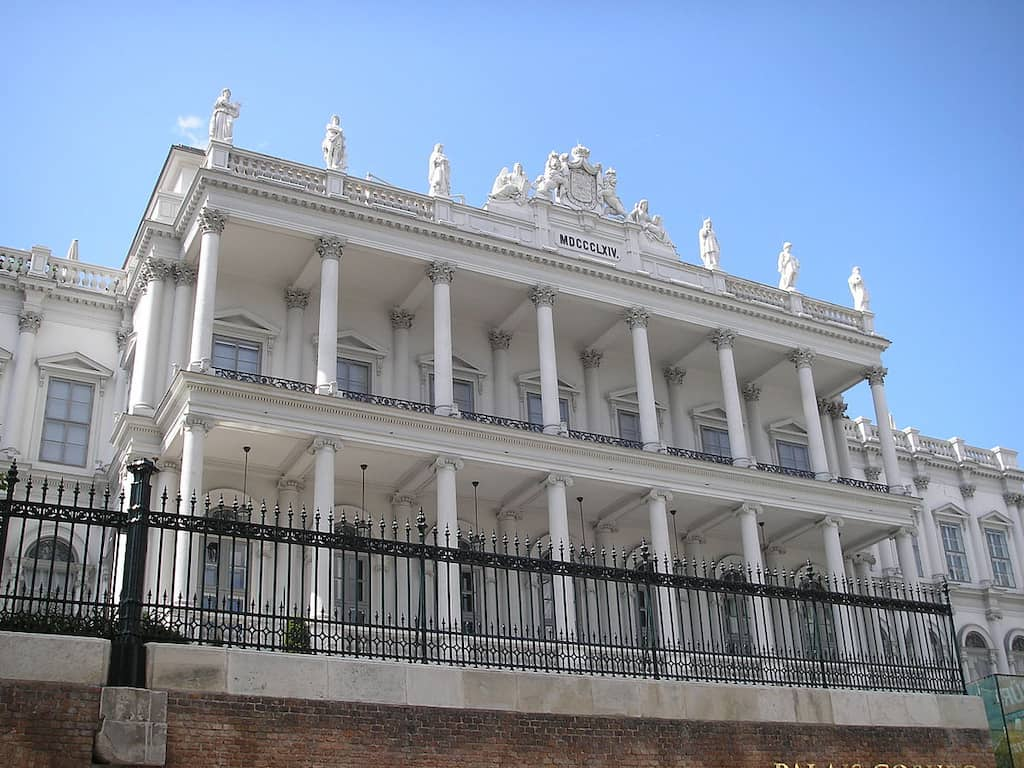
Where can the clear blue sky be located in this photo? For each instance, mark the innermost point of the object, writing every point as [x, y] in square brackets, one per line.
[889, 135]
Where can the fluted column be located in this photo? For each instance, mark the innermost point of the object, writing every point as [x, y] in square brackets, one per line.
[596, 418]
[318, 603]
[637, 318]
[682, 431]
[211, 223]
[723, 339]
[289, 556]
[829, 435]
[558, 529]
[905, 554]
[181, 319]
[837, 413]
[29, 321]
[330, 251]
[543, 297]
[803, 359]
[982, 562]
[193, 452]
[449, 610]
[295, 301]
[876, 379]
[441, 275]
[758, 437]
[401, 323]
[500, 342]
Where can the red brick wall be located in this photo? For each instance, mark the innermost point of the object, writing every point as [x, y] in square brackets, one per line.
[45, 725]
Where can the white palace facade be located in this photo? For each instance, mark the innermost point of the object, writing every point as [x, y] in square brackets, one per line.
[546, 366]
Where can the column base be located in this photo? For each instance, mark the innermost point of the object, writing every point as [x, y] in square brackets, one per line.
[142, 409]
[824, 476]
[658, 447]
[199, 366]
[743, 463]
[330, 388]
[560, 429]
[447, 410]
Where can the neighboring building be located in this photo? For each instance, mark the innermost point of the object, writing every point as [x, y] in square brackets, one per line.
[585, 386]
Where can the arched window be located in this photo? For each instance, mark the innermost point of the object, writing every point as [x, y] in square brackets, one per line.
[48, 568]
[1017, 655]
[976, 656]
[225, 576]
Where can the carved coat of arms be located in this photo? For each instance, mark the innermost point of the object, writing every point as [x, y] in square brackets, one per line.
[583, 177]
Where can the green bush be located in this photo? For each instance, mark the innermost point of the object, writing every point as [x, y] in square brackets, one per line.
[52, 622]
[297, 637]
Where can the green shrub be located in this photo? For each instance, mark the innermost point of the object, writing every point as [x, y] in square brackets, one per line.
[297, 637]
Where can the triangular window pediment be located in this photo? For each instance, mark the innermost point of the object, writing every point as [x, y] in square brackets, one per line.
[787, 428]
[459, 364]
[995, 517]
[949, 510]
[245, 321]
[532, 379]
[711, 412]
[75, 364]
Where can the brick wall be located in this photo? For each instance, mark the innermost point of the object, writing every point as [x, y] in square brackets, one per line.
[50, 725]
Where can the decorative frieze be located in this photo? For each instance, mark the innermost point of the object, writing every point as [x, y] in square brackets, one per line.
[802, 357]
[296, 298]
[722, 338]
[751, 392]
[875, 375]
[330, 247]
[499, 339]
[674, 375]
[637, 317]
[211, 221]
[591, 358]
[441, 272]
[30, 321]
[543, 295]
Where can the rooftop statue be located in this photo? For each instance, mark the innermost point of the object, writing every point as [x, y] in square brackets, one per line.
[861, 297]
[651, 226]
[555, 178]
[223, 117]
[789, 268]
[333, 146]
[510, 186]
[709, 249]
[608, 194]
[439, 174]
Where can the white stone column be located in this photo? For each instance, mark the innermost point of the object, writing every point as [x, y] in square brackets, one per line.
[758, 436]
[449, 610]
[211, 223]
[870, 631]
[706, 629]
[982, 561]
[162, 326]
[837, 412]
[29, 321]
[500, 342]
[318, 603]
[407, 580]
[682, 430]
[330, 250]
[829, 435]
[187, 563]
[905, 554]
[932, 551]
[441, 275]
[661, 552]
[181, 319]
[747, 515]
[833, 552]
[1015, 511]
[876, 379]
[295, 300]
[611, 623]
[161, 545]
[289, 556]
[543, 297]
[803, 359]
[596, 414]
[723, 339]
[401, 323]
[558, 528]
[146, 320]
[512, 613]
[637, 318]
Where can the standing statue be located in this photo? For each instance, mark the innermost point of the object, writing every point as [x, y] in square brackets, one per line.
[439, 173]
[789, 268]
[709, 250]
[555, 177]
[223, 118]
[333, 146]
[608, 195]
[861, 297]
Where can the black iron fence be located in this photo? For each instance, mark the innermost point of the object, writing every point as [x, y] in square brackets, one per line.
[78, 561]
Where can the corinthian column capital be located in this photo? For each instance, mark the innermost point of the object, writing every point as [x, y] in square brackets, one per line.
[637, 317]
[402, 318]
[543, 295]
[330, 247]
[212, 220]
[875, 375]
[722, 338]
[802, 357]
[441, 272]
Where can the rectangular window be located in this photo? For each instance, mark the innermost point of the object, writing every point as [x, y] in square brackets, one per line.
[629, 425]
[462, 394]
[66, 422]
[792, 455]
[715, 441]
[956, 555]
[999, 551]
[535, 410]
[236, 355]
[353, 376]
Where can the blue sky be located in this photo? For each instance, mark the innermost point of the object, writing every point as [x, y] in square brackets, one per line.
[888, 135]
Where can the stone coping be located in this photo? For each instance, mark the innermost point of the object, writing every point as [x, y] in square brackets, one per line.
[55, 658]
[333, 678]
